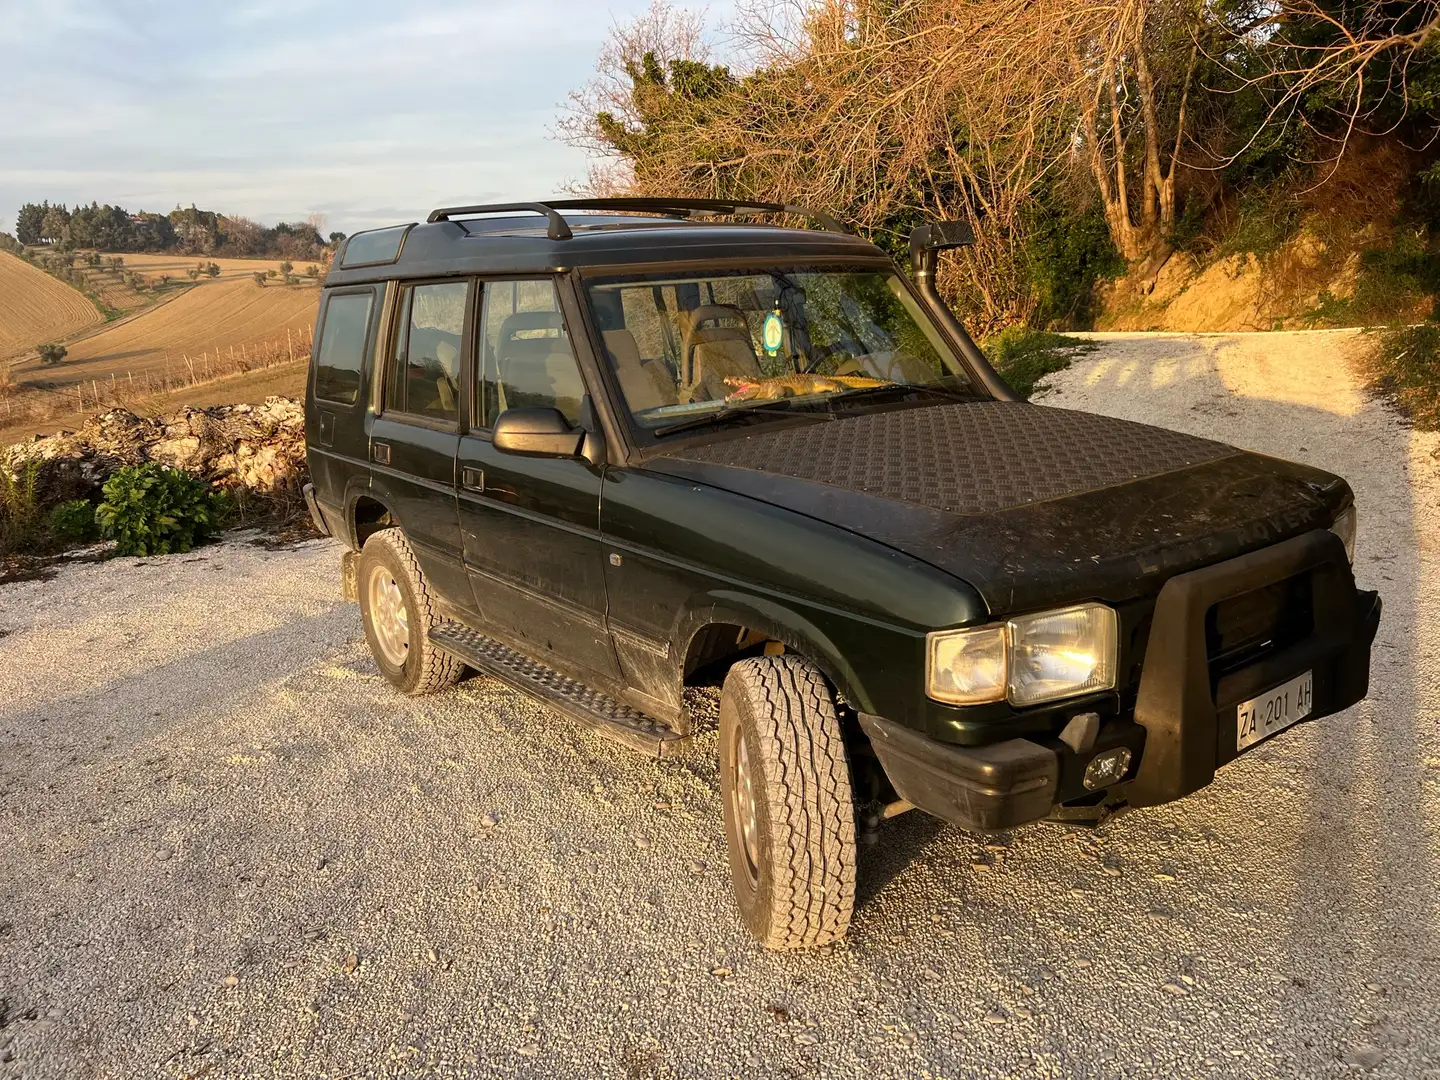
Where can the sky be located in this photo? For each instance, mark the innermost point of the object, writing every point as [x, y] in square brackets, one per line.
[371, 113]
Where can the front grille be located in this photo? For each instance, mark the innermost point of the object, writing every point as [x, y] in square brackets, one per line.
[1245, 628]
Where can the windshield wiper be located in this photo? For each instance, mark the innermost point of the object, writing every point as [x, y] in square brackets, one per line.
[899, 389]
[723, 416]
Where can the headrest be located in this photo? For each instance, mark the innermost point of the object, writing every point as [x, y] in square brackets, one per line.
[530, 320]
[710, 312]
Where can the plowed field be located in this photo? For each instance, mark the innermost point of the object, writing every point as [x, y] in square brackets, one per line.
[35, 308]
[153, 264]
[212, 318]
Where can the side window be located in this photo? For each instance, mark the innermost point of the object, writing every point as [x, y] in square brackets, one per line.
[342, 346]
[424, 376]
[525, 356]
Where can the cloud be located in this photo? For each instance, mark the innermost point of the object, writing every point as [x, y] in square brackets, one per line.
[275, 108]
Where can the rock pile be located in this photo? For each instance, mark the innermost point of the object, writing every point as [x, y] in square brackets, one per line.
[257, 447]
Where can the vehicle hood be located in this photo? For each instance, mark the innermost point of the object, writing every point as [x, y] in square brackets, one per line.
[1031, 505]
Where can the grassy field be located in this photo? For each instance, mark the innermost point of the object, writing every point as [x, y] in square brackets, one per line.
[35, 308]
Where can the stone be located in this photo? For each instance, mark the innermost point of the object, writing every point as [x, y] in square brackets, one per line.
[1365, 1056]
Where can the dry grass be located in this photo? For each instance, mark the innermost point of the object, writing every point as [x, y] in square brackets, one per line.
[36, 308]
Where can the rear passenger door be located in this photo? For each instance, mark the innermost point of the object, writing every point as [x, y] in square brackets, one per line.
[414, 438]
[531, 525]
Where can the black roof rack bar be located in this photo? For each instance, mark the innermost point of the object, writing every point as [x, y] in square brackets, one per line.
[560, 230]
[686, 207]
[557, 230]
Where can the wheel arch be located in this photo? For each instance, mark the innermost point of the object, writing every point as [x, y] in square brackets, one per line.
[367, 515]
[714, 634]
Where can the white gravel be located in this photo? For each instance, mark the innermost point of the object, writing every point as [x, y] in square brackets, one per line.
[227, 848]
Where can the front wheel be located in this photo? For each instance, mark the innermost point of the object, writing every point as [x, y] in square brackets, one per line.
[789, 813]
[395, 604]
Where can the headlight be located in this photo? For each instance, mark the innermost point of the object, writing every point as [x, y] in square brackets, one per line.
[1061, 653]
[1344, 528]
[1028, 660]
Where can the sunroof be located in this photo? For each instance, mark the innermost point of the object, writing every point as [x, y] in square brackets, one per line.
[375, 246]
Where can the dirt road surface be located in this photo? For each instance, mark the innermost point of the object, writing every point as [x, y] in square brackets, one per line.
[228, 849]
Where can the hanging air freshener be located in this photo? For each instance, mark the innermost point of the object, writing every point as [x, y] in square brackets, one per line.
[772, 334]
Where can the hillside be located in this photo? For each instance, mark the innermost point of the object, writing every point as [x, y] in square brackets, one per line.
[37, 308]
[154, 264]
[217, 315]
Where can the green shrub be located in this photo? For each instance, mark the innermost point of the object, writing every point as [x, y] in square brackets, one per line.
[1403, 363]
[51, 353]
[155, 510]
[1024, 356]
[1067, 253]
[19, 509]
[74, 522]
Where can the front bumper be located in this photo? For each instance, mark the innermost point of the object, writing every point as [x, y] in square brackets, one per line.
[1184, 722]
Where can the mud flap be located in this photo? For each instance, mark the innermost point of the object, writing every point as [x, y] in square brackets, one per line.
[349, 576]
[1190, 721]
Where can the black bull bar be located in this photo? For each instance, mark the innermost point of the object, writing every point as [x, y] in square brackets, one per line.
[1190, 718]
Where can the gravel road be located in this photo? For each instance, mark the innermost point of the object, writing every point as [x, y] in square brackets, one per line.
[227, 848]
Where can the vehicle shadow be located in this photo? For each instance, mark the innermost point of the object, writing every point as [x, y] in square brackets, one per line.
[899, 843]
[1339, 816]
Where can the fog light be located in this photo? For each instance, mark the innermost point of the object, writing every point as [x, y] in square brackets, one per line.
[1107, 768]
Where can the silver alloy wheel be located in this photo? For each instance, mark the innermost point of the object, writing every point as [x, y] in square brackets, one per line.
[388, 616]
[743, 796]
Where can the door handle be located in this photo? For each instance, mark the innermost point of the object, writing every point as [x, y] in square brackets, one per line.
[380, 452]
[472, 479]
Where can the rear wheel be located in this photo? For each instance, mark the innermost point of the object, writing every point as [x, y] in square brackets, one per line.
[395, 604]
[789, 813]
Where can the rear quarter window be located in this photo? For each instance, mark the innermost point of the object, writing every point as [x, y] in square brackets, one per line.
[341, 352]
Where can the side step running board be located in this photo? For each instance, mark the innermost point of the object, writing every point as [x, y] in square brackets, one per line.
[608, 717]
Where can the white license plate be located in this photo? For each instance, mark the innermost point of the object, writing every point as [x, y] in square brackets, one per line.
[1273, 711]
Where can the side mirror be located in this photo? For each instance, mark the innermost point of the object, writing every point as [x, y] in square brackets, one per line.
[938, 236]
[537, 433]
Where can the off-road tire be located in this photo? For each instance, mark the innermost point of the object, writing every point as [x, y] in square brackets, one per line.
[800, 891]
[427, 668]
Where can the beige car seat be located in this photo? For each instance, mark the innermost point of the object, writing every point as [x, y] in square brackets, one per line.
[445, 384]
[709, 355]
[538, 371]
[647, 384]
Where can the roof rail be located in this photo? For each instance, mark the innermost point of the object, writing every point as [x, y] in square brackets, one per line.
[686, 207]
[559, 229]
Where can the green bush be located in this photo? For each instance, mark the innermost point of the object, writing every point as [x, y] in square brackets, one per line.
[1024, 356]
[19, 509]
[155, 510]
[51, 353]
[1067, 254]
[1404, 364]
[74, 522]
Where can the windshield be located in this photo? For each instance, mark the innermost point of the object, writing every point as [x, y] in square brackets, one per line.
[687, 348]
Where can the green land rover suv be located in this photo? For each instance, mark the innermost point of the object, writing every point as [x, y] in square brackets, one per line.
[604, 450]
